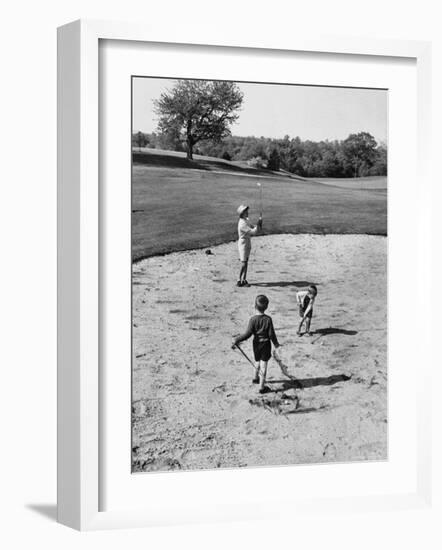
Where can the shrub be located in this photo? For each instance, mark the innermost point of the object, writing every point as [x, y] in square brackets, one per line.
[256, 162]
[274, 162]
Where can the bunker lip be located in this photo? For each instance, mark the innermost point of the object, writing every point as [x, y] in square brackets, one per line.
[217, 241]
[181, 209]
[194, 406]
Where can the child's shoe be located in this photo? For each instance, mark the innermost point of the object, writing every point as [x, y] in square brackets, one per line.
[265, 389]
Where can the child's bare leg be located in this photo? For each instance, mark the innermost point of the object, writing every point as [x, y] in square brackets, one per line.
[307, 324]
[243, 271]
[262, 374]
[256, 377]
[246, 265]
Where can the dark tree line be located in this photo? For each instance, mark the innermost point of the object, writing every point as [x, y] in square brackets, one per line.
[196, 116]
[358, 155]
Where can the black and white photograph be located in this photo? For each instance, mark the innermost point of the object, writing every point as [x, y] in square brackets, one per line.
[259, 274]
[221, 275]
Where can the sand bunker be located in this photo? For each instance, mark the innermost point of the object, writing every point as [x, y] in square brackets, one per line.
[194, 405]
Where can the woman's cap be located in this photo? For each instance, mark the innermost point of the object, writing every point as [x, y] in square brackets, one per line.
[241, 209]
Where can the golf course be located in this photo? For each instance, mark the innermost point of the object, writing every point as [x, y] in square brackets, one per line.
[179, 204]
[193, 402]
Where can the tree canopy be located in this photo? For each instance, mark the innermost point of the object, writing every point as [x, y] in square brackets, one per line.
[140, 140]
[197, 110]
[360, 151]
[348, 158]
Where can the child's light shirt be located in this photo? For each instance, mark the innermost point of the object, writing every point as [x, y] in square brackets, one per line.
[301, 298]
[245, 231]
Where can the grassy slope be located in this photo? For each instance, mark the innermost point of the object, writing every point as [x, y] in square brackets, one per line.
[375, 183]
[178, 204]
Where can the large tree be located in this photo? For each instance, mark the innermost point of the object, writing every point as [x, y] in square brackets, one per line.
[139, 139]
[360, 151]
[199, 110]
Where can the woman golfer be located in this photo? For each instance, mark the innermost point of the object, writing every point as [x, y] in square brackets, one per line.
[245, 232]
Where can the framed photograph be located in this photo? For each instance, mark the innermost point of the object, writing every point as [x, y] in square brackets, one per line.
[243, 254]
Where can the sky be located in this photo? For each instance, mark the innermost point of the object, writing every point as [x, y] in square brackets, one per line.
[275, 110]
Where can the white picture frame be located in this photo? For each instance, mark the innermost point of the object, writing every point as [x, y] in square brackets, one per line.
[79, 266]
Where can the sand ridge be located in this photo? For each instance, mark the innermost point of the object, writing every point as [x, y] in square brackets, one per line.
[194, 405]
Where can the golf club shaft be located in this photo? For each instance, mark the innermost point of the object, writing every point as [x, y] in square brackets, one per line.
[246, 356]
[259, 184]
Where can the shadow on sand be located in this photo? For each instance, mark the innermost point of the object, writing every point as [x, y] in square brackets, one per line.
[298, 284]
[307, 410]
[303, 383]
[332, 330]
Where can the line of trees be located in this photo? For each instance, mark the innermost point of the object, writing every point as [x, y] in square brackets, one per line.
[196, 116]
[356, 156]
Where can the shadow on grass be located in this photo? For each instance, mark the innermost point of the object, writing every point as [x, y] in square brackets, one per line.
[298, 284]
[300, 384]
[165, 160]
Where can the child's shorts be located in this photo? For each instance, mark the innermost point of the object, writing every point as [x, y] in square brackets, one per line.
[244, 251]
[302, 311]
[262, 350]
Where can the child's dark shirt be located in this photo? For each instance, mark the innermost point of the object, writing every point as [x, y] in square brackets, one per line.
[261, 327]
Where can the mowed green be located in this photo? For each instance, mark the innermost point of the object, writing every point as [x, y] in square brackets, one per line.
[180, 205]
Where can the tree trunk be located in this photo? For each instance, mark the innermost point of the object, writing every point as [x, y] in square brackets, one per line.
[189, 149]
[189, 140]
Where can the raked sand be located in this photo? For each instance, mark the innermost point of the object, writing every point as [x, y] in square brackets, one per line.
[194, 405]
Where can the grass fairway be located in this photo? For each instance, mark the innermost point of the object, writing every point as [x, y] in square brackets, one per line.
[373, 183]
[178, 204]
